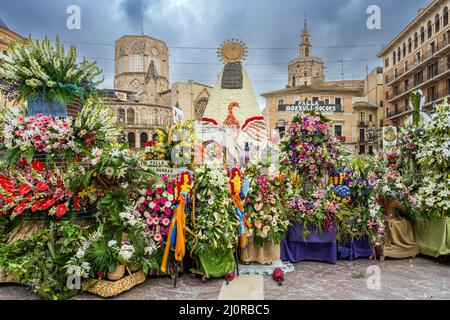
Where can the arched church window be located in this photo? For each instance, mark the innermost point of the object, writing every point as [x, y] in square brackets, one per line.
[130, 116]
[144, 139]
[200, 107]
[293, 81]
[121, 115]
[132, 140]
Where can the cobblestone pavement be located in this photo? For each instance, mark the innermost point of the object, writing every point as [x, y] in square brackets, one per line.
[419, 278]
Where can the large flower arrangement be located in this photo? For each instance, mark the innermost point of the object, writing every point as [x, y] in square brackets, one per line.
[391, 184]
[366, 207]
[37, 67]
[175, 144]
[182, 140]
[35, 189]
[59, 138]
[215, 224]
[113, 175]
[434, 156]
[310, 149]
[318, 209]
[25, 136]
[156, 206]
[122, 240]
[265, 206]
[157, 149]
[311, 152]
[95, 125]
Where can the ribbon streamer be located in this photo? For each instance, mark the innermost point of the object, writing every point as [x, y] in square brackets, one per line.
[236, 193]
[176, 237]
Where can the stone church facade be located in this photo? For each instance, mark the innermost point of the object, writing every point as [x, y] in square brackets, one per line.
[142, 98]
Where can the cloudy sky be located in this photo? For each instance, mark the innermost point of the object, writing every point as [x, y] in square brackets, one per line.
[193, 29]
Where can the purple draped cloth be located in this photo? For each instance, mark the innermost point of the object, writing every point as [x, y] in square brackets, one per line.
[318, 246]
[355, 248]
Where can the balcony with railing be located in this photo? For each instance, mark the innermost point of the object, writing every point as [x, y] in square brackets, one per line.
[427, 77]
[363, 123]
[436, 97]
[399, 111]
[397, 75]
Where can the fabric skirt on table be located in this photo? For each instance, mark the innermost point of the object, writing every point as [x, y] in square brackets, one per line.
[355, 248]
[268, 253]
[318, 246]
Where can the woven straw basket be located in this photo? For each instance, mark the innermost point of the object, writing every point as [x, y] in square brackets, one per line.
[108, 289]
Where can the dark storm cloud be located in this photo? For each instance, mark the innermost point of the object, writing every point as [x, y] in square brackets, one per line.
[206, 23]
[134, 9]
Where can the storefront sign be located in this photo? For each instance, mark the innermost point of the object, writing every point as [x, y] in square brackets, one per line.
[161, 168]
[302, 106]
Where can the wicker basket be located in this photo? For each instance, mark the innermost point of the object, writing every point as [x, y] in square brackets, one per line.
[6, 278]
[25, 230]
[108, 289]
[74, 107]
[132, 267]
[117, 274]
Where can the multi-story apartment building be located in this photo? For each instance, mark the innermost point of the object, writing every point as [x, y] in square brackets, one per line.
[418, 58]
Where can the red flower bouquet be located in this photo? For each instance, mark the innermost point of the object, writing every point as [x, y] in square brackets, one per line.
[35, 189]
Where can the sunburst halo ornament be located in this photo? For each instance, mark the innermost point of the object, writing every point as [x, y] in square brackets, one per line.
[232, 51]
